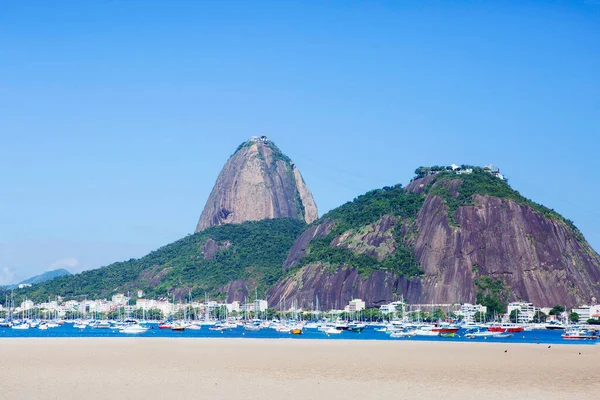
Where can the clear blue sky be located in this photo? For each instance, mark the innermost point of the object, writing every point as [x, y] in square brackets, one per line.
[116, 116]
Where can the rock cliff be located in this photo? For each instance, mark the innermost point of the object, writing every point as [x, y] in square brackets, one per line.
[258, 182]
[466, 232]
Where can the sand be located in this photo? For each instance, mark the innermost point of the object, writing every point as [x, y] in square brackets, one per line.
[142, 368]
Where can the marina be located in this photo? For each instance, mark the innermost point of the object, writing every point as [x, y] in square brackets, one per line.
[258, 329]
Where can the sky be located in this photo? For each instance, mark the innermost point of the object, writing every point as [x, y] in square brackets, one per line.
[117, 116]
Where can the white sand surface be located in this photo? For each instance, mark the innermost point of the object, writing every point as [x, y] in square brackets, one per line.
[154, 368]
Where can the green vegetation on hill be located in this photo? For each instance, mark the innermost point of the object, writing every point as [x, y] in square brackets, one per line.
[492, 293]
[256, 252]
[364, 210]
[484, 184]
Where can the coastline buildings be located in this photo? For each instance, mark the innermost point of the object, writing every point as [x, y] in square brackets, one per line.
[587, 312]
[525, 311]
[468, 311]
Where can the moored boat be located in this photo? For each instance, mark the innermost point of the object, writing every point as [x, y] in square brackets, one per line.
[332, 330]
[510, 328]
[579, 334]
[483, 334]
[134, 329]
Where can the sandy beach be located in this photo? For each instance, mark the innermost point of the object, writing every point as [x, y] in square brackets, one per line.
[137, 368]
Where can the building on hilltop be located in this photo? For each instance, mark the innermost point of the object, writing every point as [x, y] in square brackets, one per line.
[492, 169]
[260, 139]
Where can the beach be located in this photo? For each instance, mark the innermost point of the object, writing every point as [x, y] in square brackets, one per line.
[137, 368]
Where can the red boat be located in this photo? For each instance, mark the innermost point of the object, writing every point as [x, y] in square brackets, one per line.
[164, 325]
[506, 328]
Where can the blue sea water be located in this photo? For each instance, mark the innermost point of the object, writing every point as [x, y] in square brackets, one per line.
[67, 331]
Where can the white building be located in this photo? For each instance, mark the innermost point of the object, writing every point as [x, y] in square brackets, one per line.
[145, 304]
[27, 305]
[71, 305]
[248, 307]
[526, 311]
[468, 311]
[587, 312]
[391, 307]
[120, 299]
[260, 305]
[356, 305]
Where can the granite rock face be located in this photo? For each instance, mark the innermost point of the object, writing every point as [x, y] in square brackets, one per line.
[539, 259]
[258, 182]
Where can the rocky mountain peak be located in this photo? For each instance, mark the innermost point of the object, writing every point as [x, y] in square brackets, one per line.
[258, 182]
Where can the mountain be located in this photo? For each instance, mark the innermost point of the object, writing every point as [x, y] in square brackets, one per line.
[258, 182]
[46, 276]
[448, 237]
[229, 262]
[445, 238]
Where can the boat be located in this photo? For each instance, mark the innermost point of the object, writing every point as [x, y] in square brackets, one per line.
[447, 334]
[79, 326]
[43, 327]
[165, 325]
[555, 326]
[102, 325]
[217, 328]
[445, 327]
[402, 334]
[252, 327]
[21, 326]
[178, 328]
[296, 331]
[356, 327]
[426, 331]
[193, 327]
[283, 329]
[579, 334]
[332, 330]
[511, 328]
[134, 329]
[504, 335]
[483, 334]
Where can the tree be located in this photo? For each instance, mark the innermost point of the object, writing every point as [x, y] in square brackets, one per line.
[438, 314]
[514, 316]
[557, 310]
[574, 317]
[479, 317]
[539, 317]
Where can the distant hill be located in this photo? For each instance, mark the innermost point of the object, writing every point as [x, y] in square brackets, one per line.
[46, 276]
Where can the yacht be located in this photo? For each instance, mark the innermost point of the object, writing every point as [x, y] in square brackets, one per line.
[579, 334]
[134, 329]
